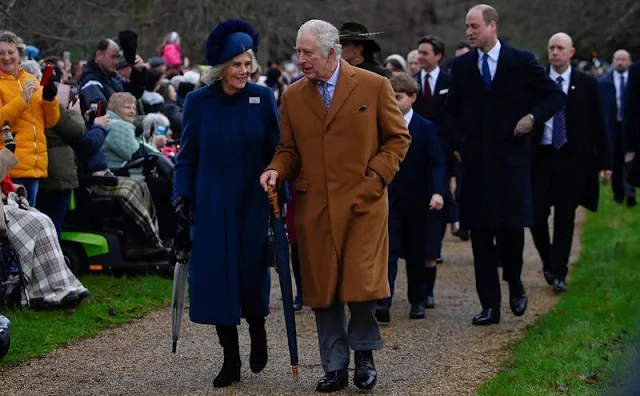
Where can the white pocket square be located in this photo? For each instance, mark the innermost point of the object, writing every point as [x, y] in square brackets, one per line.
[443, 91]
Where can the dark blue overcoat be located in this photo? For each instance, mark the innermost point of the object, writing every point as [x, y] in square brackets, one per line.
[227, 143]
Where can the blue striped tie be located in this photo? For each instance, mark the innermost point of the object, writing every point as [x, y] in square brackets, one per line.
[324, 92]
[559, 137]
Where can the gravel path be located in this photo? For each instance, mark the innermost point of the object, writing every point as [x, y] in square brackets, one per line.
[440, 355]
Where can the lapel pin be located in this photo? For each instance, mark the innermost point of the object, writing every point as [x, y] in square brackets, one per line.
[573, 87]
[254, 100]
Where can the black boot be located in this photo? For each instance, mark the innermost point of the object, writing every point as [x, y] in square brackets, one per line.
[258, 357]
[431, 282]
[230, 372]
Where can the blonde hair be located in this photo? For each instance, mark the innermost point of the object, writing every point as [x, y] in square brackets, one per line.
[215, 72]
[119, 99]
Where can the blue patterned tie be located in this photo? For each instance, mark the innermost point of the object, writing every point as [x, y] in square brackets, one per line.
[324, 92]
[559, 137]
[486, 72]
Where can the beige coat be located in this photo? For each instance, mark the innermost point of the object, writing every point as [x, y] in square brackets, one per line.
[342, 212]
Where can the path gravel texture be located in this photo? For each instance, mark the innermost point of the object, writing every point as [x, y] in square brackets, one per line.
[440, 355]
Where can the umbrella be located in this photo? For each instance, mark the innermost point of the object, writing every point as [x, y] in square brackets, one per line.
[180, 252]
[282, 267]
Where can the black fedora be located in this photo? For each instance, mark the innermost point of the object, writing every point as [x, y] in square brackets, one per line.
[357, 32]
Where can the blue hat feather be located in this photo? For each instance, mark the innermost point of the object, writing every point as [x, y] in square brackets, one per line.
[230, 39]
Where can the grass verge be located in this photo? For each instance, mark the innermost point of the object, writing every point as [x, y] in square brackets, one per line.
[114, 301]
[582, 344]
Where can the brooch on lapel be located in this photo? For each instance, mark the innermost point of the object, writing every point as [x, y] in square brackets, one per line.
[362, 108]
[444, 91]
[573, 87]
[254, 100]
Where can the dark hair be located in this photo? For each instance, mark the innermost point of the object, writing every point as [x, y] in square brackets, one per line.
[405, 83]
[164, 91]
[395, 63]
[151, 80]
[104, 44]
[462, 44]
[436, 43]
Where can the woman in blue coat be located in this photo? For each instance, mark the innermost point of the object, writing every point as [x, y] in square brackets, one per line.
[230, 132]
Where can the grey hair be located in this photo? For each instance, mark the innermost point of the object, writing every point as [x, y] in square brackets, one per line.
[412, 54]
[153, 121]
[31, 66]
[327, 34]
[215, 73]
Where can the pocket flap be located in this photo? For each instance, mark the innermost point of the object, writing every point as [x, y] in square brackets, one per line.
[302, 185]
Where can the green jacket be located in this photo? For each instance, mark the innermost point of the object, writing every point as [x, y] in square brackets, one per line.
[62, 174]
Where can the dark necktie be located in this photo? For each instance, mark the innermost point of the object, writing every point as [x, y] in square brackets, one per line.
[559, 137]
[486, 72]
[622, 97]
[427, 94]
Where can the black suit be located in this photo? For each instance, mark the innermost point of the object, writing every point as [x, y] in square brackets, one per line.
[568, 177]
[435, 111]
[632, 122]
[496, 196]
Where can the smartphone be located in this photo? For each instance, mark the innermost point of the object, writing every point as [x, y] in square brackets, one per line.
[93, 112]
[66, 55]
[162, 130]
[48, 73]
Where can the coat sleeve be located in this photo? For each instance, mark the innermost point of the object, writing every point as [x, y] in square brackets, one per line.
[272, 127]
[599, 126]
[136, 86]
[632, 115]
[92, 91]
[91, 142]
[393, 135]
[186, 167]
[51, 111]
[551, 98]
[70, 126]
[287, 157]
[436, 160]
[12, 110]
[453, 109]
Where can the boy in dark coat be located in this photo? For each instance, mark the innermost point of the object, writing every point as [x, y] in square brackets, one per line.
[415, 199]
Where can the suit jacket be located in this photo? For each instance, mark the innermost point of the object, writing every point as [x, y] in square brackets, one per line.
[587, 138]
[632, 110]
[437, 112]
[341, 213]
[497, 192]
[422, 173]
[609, 104]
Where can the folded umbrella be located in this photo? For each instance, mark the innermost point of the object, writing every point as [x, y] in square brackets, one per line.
[180, 251]
[284, 275]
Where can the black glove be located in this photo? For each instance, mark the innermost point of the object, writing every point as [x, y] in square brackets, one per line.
[129, 44]
[182, 239]
[49, 91]
[183, 211]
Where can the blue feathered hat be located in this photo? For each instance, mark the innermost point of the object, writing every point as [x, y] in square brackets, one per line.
[230, 39]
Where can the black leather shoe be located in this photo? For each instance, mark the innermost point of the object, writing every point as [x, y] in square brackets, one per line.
[417, 311]
[383, 314]
[365, 376]
[439, 260]
[518, 300]
[559, 286]
[463, 234]
[430, 302]
[333, 381]
[297, 303]
[548, 276]
[259, 355]
[488, 316]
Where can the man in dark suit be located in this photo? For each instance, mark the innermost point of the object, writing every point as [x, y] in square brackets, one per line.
[430, 104]
[415, 197]
[632, 123]
[569, 150]
[613, 94]
[496, 96]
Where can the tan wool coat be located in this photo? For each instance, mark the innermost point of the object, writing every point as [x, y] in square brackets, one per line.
[342, 208]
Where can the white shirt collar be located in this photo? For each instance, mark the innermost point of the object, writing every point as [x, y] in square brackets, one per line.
[433, 73]
[566, 76]
[334, 77]
[494, 53]
[408, 116]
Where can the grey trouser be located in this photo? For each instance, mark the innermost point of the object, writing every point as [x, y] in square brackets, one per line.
[336, 338]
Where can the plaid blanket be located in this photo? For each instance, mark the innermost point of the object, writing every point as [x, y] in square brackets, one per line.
[35, 240]
[135, 198]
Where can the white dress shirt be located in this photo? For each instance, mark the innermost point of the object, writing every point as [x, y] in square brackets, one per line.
[616, 81]
[433, 78]
[547, 135]
[331, 83]
[494, 55]
[408, 116]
